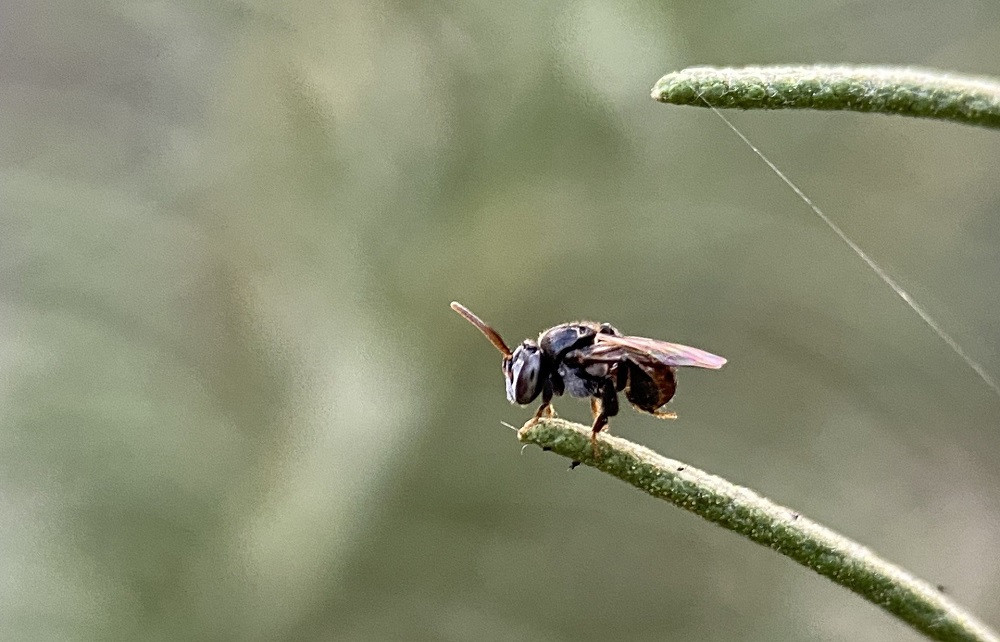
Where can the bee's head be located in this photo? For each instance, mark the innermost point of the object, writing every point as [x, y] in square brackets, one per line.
[525, 373]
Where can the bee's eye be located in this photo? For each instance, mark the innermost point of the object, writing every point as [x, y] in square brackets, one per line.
[524, 374]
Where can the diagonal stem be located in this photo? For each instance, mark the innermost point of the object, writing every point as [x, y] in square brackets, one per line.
[760, 520]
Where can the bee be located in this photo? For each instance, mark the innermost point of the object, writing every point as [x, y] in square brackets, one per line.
[590, 359]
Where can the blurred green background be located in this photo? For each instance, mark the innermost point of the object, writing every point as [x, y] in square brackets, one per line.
[235, 404]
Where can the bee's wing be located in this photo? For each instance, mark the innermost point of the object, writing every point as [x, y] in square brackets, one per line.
[671, 354]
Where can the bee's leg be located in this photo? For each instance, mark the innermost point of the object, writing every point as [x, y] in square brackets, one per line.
[603, 409]
[595, 412]
[546, 409]
[600, 421]
[664, 414]
[553, 386]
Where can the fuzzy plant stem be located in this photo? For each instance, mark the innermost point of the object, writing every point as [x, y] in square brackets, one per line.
[888, 90]
[760, 520]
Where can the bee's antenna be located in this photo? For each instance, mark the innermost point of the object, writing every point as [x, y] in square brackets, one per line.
[489, 332]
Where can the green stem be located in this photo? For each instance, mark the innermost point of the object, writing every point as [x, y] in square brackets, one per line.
[760, 520]
[907, 92]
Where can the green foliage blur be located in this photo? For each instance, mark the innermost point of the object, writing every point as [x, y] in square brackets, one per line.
[235, 404]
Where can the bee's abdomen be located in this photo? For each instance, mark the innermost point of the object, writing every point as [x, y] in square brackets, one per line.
[648, 391]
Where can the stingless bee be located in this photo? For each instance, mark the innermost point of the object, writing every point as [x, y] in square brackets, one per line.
[589, 359]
